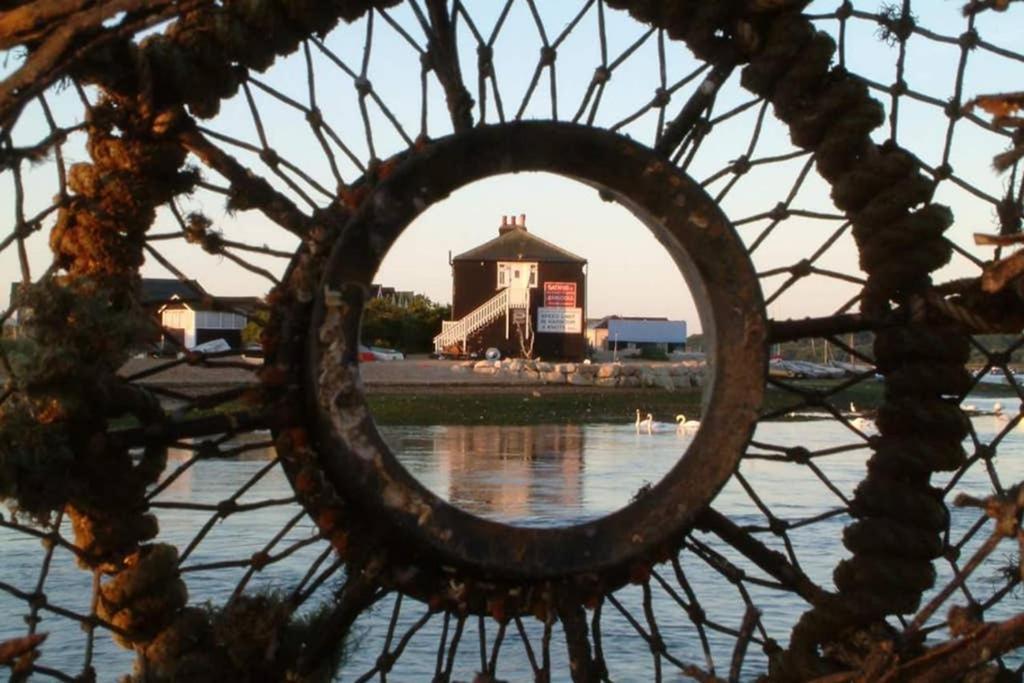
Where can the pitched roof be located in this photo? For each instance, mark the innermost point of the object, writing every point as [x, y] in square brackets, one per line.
[161, 290]
[602, 323]
[519, 245]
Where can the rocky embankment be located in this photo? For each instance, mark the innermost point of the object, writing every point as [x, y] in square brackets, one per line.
[664, 375]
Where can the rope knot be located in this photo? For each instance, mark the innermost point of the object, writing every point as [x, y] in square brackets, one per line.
[899, 87]
[1009, 211]
[226, 507]
[799, 455]
[969, 39]
[895, 24]
[953, 109]
[485, 60]
[259, 560]
[801, 268]
[270, 157]
[661, 98]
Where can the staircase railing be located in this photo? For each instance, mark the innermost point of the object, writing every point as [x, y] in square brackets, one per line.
[458, 331]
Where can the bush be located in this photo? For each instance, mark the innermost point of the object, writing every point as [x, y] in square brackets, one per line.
[410, 328]
[652, 353]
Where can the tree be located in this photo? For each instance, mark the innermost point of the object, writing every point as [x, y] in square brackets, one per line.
[254, 327]
[410, 327]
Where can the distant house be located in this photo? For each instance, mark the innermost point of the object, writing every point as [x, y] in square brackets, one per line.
[517, 285]
[182, 307]
[400, 298]
[632, 334]
[191, 316]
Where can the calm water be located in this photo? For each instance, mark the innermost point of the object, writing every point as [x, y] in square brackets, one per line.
[535, 476]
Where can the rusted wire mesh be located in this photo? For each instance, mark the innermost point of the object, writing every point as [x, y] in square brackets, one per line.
[295, 149]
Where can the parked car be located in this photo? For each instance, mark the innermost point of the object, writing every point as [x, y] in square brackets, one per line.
[380, 353]
[374, 353]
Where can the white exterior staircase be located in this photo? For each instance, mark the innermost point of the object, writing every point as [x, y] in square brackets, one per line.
[457, 331]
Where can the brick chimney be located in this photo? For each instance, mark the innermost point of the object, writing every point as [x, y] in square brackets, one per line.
[509, 223]
[505, 227]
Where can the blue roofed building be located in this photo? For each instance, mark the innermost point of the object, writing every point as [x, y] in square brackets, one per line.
[633, 334]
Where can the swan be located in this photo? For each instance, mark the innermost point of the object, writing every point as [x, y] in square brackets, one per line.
[997, 410]
[863, 424]
[647, 423]
[682, 424]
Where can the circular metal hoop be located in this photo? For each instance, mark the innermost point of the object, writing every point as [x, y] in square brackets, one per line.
[709, 254]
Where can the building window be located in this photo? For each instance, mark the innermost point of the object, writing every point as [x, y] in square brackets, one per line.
[533, 274]
[503, 278]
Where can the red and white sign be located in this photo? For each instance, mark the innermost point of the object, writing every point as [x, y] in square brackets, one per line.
[560, 294]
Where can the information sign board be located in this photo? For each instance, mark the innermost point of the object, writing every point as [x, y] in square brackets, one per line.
[559, 320]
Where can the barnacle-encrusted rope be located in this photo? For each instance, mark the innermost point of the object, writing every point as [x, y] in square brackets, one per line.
[82, 326]
[137, 165]
[98, 240]
[900, 517]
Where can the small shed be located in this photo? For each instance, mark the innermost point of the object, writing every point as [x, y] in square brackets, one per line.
[517, 293]
[192, 316]
[192, 325]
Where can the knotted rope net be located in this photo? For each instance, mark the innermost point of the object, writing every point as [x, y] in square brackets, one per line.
[181, 134]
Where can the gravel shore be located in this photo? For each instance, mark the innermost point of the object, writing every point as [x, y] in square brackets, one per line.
[381, 375]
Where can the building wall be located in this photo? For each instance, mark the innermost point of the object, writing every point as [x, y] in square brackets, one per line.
[474, 282]
[192, 328]
[596, 337]
[180, 322]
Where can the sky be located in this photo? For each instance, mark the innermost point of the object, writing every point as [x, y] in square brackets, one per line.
[629, 272]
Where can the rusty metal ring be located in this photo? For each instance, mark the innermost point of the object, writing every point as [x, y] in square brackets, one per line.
[711, 257]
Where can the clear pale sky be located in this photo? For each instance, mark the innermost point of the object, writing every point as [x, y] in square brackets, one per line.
[630, 274]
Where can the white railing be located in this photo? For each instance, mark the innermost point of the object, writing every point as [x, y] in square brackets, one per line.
[457, 331]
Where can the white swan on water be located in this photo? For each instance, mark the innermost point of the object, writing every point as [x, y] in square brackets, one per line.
[863, 424]
[684, 425]
[647, 423]
[862, 420]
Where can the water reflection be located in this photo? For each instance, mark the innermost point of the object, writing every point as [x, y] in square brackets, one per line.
[536, 475]
[539, 475]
